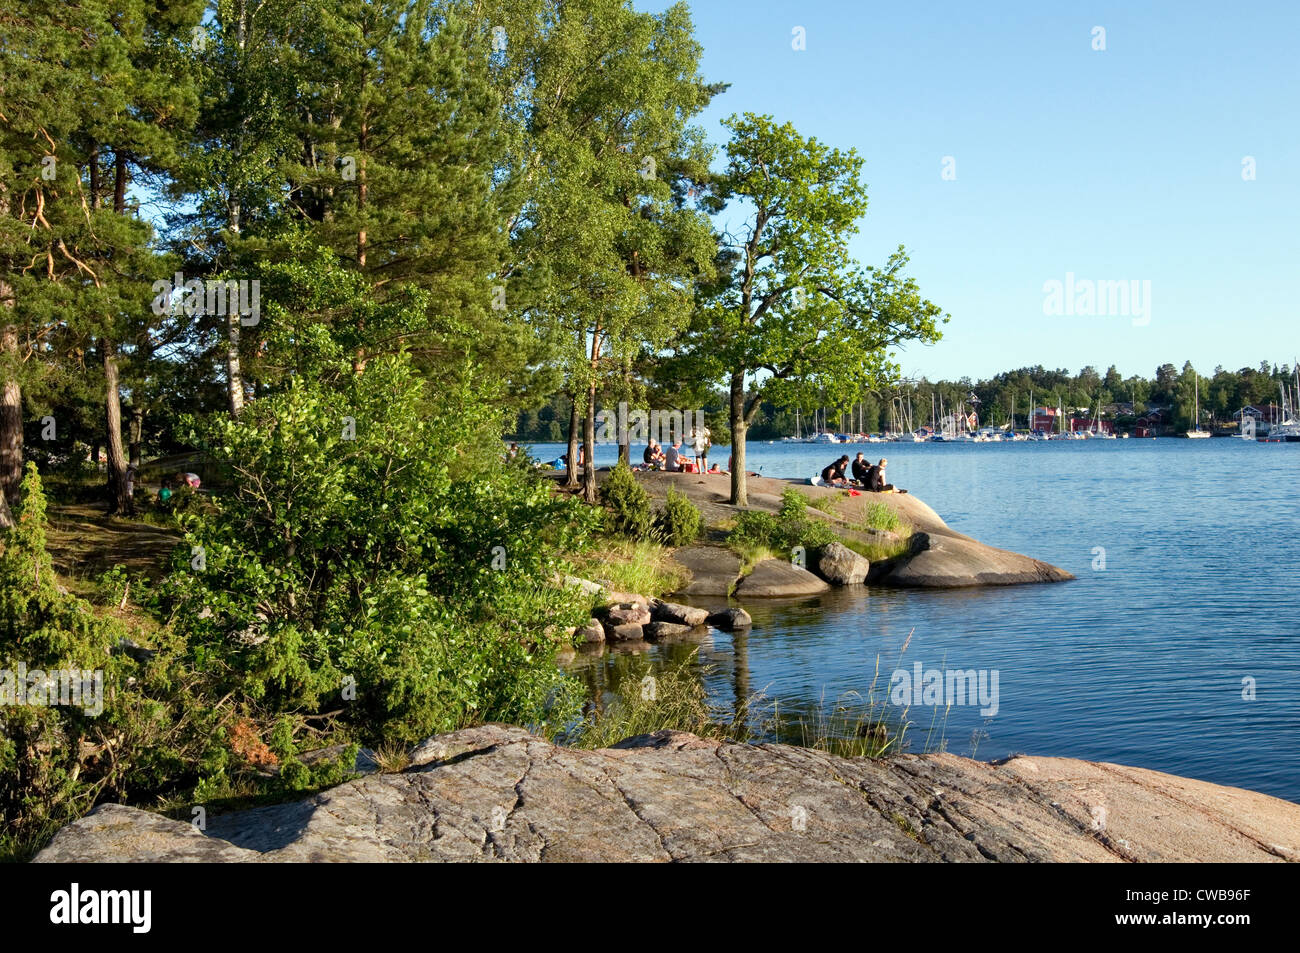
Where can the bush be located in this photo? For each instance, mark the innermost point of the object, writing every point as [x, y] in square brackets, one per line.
[781, 532]
[754, 528]
[680, 522]
[378, 570]
[879, 516]
[143, 728]
[794, 505]
[628, 511]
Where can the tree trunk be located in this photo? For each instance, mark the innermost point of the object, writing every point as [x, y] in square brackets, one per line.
[11, 395]
[571, 470]
[6, 516]
[234, 375]
[589, 447]
[136, 433]
[118, 500]
[739, 488]
[11, 402]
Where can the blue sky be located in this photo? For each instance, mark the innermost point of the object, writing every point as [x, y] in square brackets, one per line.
[1123, 164]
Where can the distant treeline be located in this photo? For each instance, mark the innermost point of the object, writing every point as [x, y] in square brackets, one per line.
[1122, 399]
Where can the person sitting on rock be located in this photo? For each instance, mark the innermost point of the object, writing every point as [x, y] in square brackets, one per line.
[833, 475]
[876, 479]
[654, 454]
[673, 458]
[861, 469]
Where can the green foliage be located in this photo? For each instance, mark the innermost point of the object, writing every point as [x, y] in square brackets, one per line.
[144, 732]
[640, 566]
[627, 505]
[879, 516]
[794, 505]
[372, 565]
[679, 523]
[780, 532]
[789, 301]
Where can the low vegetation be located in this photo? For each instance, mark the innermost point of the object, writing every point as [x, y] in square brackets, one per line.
[643, 566]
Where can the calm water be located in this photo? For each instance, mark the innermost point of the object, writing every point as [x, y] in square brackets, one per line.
[1140, 663]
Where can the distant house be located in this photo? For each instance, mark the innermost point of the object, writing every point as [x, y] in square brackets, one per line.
[1087, 425]
[1151, 421]
[1270, 414]
[1044, 419]
[1124, 409]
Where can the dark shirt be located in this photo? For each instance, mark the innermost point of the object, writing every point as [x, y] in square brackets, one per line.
[875, 478]
[833, 472]
[860, 470]
[649, 455]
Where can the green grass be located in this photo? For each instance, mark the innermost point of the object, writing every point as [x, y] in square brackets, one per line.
[877, 515]
[641, 567]
[878, 552]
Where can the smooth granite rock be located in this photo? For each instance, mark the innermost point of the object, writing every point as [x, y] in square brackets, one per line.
[841, 566]
[776, 578]
[730, 619]
[676, 613]
[625, 632]
[499, 793]
[634, 613]
[667, 630]
[713, 570]
[940, 561]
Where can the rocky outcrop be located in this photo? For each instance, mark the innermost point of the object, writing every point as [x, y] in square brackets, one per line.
[940, 556]
[942, 561]
[499, 793]
[841, 566]
[713, 570]
[776, 578]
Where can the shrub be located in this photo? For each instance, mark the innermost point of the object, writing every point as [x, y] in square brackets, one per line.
[754, 528]
[379, 571]
[794, 505]
[879, 516]
[628, 511]
[779, 532]
[680, 522]
[143, 727]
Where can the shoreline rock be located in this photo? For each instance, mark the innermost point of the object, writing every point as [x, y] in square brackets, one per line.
[498, 793]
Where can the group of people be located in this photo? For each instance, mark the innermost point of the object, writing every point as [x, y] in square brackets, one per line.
[867, 476]
[674, 460]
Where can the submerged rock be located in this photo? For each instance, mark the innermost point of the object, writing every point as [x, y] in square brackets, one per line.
[729, 619]
[498, 793]
[676, 613]
[667, 630]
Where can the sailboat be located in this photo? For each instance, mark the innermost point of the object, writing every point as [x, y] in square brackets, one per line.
[1098, 431]
[1198, 433]
[1288, 429]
